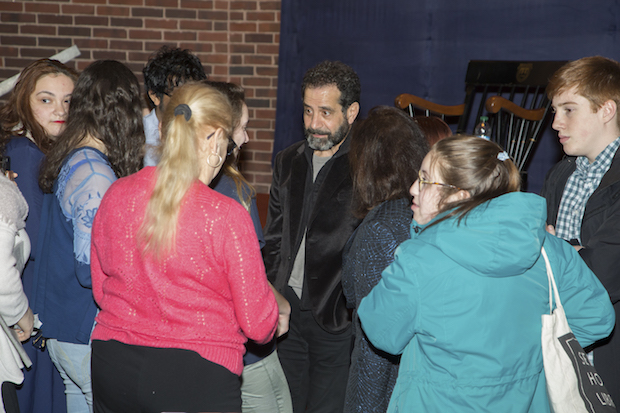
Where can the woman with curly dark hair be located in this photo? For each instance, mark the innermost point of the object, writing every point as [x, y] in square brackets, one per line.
[102, 141]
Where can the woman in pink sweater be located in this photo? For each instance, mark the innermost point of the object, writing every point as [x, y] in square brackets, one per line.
[177, 273]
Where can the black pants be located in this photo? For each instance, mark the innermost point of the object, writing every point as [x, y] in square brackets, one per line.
[9, 397]
[315, 362]
[129, 378]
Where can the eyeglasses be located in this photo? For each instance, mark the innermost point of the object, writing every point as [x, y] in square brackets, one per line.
[231, 146]
[422, 181]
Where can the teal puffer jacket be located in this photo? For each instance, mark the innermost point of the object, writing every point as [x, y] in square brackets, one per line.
[463, 304]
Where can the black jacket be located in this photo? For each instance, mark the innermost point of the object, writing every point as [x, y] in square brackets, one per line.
[600, 237]
[324, 207]
[600, 228]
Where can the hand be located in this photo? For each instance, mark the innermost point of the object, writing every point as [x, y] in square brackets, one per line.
[551, 230]
[284, 312]
[26, 324]
[11, 175]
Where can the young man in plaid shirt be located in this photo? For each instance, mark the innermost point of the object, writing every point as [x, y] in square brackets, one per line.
[583, 189]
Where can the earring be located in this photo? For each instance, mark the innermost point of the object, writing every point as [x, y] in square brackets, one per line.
[219, 160]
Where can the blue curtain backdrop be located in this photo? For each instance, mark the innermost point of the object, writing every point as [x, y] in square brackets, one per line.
[423, 47]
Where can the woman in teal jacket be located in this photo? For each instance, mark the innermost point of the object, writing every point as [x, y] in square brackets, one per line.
[464, 297]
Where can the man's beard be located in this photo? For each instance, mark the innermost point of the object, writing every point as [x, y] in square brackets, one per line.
[324, 144]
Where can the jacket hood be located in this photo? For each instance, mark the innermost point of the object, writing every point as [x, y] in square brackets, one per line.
[499, 238]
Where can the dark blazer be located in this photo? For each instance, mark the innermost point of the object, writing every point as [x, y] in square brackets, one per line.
[600, 237]
[330, 223]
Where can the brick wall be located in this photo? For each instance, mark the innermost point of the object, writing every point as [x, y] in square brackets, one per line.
[236, 40]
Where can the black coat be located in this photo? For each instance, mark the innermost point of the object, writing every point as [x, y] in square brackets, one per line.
[600, 237]
[326, 207]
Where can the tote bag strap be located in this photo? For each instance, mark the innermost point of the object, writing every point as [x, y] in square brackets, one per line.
[552, 286]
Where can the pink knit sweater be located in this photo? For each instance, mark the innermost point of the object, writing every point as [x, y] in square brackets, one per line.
[208, 296]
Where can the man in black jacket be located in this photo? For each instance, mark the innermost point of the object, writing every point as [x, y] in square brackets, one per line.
[309, 221]
[583, 190]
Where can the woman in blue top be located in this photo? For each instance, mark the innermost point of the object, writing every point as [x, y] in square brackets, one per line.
[264, 388]
[102, 141]
[463, 299]
[32, 118]
[230, 181]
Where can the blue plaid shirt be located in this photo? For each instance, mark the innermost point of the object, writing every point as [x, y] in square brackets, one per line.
[579, 188]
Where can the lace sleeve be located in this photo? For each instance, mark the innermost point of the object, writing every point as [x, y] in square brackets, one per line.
[83, 181]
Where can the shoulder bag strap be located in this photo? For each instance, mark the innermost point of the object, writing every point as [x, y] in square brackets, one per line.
[552, 285]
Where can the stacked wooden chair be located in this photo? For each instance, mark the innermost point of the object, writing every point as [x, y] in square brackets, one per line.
[512, 95]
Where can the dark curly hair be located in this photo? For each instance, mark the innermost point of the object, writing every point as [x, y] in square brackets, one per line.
[338, 74]
[387, 149]
[169, 68]
[105, 105]
[16, 117]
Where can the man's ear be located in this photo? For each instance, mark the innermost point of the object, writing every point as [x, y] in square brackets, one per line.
[352, 111]
[609, 110]
[154, 98]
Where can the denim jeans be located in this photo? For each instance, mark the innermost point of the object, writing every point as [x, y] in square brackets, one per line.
[264, 388]
[73, 363]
